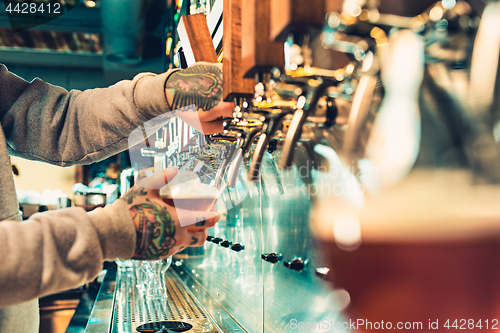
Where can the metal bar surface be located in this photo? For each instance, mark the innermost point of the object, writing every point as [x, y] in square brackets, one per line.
[100, 318]
[134, 308]
[214, 309]
[83, 311]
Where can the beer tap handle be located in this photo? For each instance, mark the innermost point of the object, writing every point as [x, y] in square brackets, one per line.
[249, 139]
[234, 160]
[292, 136]
[243, 145]
[298, 120]
[235, 166]
[229, 153]
[359, 110]
[268, 131]
[276, 174]
[254, 170]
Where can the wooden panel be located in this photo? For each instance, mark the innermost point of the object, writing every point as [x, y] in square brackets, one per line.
[258, 52]
[234, 83]
[288, 16]
[333, 6]
[196, 39]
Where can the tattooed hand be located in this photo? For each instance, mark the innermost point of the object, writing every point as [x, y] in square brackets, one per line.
[195, 95]
[158, 231]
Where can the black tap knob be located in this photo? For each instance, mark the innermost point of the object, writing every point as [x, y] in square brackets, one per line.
[216, 240]
[272, 257]
[269, 128]
[332, 112]
[296, 264]
[209, 238]
[226, 243]
[237, 247]
[273, 144]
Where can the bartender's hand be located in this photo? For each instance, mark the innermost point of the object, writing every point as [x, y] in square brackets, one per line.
[195, 95]
[159, 233]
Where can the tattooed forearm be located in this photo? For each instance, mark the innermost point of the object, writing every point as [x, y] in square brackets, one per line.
[132, 193]
[199, 85]
[155, 230]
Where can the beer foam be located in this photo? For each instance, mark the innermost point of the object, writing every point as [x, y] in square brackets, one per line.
[187, 184]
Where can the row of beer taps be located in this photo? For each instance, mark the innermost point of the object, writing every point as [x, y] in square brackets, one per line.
[372, 97]
[371, 101]
[300, 105]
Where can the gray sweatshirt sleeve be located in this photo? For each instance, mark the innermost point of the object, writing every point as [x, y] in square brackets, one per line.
[59, 250]
[47, 123]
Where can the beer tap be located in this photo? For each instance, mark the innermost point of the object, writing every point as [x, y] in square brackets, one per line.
[299, 118]
[373, 138]
[274, 98]
[297, 28]
[271, 125]
[337, 86]
[279, 97]
[271, 109]
[368, 127]
[239, 135]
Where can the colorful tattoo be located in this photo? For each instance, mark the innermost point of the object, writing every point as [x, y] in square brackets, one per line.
[200, 222]
[200, 85]
[132, 193]
[144, 174]
[155, 231]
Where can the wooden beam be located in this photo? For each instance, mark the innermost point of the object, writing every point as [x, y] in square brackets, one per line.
[233, 82]
[289, 16]
[258, 52]
[333, 6]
